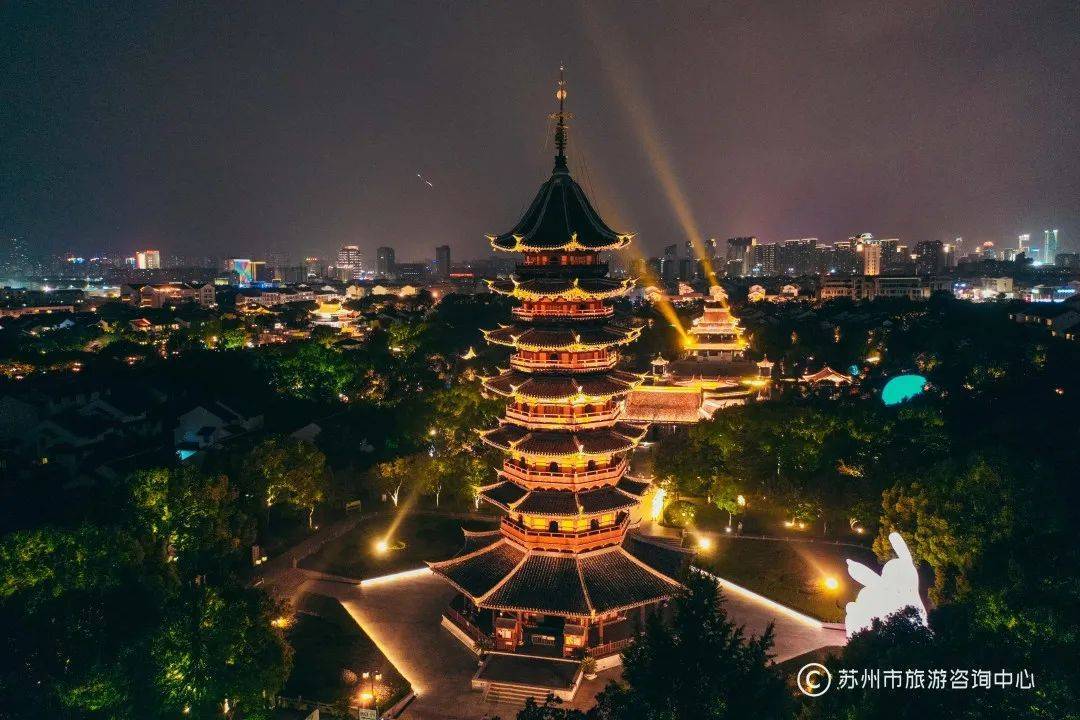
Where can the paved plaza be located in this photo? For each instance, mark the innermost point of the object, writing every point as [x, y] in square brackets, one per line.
[402, 616]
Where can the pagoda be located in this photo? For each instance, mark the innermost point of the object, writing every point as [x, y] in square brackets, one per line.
[715, 361]
[566, 574]
[717, 334]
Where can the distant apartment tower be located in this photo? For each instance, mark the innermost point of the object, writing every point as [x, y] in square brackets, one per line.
[764, 260]
[740, 256]
[350, 262]
[870, 250]
[148, 260]
[930, 257]
[669, 264]
[442, 262]
[412, 273]
[384, 261]
[1050, 247]
[312, 268]
[1023, 244]
[845, 260]
[797, 256]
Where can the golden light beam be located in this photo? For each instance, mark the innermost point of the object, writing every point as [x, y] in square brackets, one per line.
[620, 71]
[662, 303]
[613, 209]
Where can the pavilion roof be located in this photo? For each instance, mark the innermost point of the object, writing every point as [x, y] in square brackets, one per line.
[476, 573]
[826, 374]
[478, 540]
[563, 288]
[665, 404]
[512, 497]
[664, 557]
[622, 436]
[561, 388]
[503, 576]
[556, 338]
[633, 486]
[560, 217]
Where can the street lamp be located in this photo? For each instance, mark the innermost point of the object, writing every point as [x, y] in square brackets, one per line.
[372, 678]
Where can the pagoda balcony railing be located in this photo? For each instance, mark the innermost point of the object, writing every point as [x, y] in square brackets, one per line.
[462, 623]
[590, 364]
[575, 478]
[559, 540]
[558, 421]
[570, 313]
[611, 648]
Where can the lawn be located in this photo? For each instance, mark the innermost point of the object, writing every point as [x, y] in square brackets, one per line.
[791, 573]
[425, 537]
[332, 653]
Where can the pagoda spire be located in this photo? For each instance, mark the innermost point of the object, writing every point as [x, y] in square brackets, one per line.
[560, 124]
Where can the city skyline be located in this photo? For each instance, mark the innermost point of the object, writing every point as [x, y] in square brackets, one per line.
[275, 143]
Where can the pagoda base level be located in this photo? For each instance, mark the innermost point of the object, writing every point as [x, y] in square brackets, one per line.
[543, 636]
[512, 679]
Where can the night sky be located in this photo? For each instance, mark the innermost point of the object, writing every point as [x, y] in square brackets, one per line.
[301, 126]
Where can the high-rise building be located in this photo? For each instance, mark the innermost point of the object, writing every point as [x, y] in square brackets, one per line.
[384, 261]
[148, 260]
[689, 268]
[870, 249]
[950, 251]
[1023, 244]
[442, 262]
[312, 268]
[765, 260]
[563, 555]
[930, 257]
[796, 257]
[669, 264]
[846, 259]
[350, 262]
[1050, 247]
[740, 255]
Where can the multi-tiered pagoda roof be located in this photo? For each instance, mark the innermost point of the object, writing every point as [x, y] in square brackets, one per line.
[567, 546]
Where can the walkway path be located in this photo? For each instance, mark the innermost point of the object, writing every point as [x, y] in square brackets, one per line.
[402, 617]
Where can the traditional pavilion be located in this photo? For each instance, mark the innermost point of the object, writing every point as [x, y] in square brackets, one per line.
[565, 574]
[715, 363]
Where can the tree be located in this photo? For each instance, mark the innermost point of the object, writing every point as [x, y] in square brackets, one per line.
[292, 471]
[391, 476]
[699, 665]
[955, 640]
[726, 494]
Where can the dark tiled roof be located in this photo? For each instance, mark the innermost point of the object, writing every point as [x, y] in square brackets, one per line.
[632, 486]
[558, 215]
[561, 387]
[504, 494]
[553, 287]
[477, 574]
[615, 581]
[604, 499]
[545, 583]
[504, 435]
[549, 502]
[476, 540]
[673, 404]
[560, 443]
[562, 338]
[670, 560]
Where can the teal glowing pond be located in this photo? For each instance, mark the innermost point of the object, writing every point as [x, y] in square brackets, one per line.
[901, 388]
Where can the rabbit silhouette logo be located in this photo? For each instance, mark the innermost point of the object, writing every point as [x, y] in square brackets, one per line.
[882, 595]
